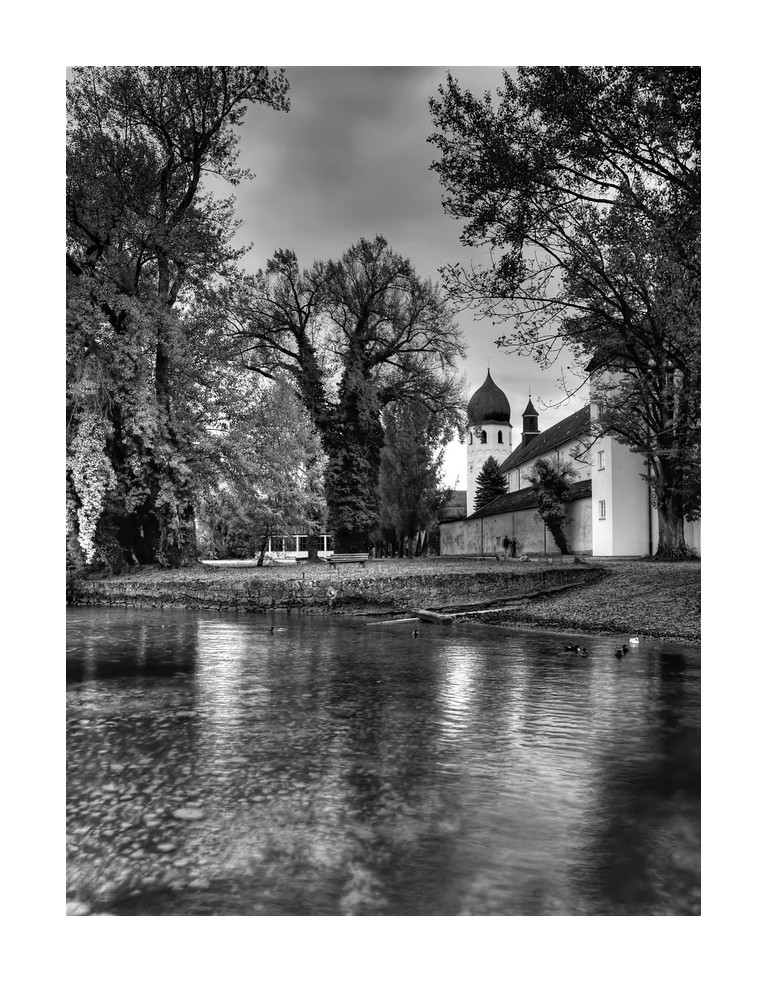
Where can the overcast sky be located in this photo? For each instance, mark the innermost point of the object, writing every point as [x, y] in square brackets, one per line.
[351, 159]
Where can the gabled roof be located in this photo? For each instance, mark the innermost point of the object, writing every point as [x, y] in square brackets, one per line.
[525, 498]
[454, 506]
[561, 432]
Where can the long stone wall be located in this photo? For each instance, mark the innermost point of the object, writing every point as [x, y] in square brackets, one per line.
[483, 536]
[392, 593]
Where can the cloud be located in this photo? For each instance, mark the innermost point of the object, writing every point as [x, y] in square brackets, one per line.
[351, 159]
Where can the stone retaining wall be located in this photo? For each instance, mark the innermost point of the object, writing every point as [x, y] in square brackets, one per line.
[391, 593]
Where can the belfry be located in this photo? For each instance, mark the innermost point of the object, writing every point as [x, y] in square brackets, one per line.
[488, 433]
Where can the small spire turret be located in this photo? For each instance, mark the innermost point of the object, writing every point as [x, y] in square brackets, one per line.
[529, 423]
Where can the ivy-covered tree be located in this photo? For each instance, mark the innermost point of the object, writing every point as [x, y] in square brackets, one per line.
[551, 482]
[409, 486]
[490, 483]
[357, 335]
[144, 239]
[584, 183]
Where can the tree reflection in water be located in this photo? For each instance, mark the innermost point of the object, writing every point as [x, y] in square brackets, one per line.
[336, 768]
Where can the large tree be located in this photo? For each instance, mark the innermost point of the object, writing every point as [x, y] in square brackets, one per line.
[585, 185]
[409, 484]
[357, 335]
[144, 238]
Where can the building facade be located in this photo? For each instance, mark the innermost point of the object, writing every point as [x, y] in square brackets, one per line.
[609, 503]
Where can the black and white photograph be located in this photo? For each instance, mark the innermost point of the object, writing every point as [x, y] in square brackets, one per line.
[385, 363]
[383, 491]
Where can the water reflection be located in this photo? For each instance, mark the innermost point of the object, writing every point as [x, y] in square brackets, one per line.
[334, 768]
[123, 643]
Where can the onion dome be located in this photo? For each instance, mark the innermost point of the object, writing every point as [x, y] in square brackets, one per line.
[488, 403]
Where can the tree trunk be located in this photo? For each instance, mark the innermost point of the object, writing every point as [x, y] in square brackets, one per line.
[178, 537]
[313, 547]
[671, 542]
[264, 540]
[558, 535]
[351, 541]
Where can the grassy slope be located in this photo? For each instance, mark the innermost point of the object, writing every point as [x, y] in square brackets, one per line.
[659, 600]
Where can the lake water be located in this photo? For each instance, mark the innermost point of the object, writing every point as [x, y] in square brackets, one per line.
[337, 768]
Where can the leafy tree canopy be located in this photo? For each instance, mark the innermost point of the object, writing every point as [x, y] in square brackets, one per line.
[356, 334]
[551, 482]
[144, 240]
[585, 184]
[269, 473]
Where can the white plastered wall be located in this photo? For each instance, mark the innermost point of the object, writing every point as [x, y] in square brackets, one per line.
[477, 454]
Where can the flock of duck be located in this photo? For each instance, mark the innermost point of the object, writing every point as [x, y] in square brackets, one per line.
[624, 649]
[575, 649]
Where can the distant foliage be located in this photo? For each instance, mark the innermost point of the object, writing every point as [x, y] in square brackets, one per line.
[551, 483]
[269, 476]
[490, 483]
[409, 485]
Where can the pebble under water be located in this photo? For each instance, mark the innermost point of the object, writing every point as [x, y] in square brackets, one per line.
[328, 767]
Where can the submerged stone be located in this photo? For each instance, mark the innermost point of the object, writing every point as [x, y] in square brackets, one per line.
[189, 814]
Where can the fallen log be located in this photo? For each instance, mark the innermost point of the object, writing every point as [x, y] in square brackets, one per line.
[432, 617]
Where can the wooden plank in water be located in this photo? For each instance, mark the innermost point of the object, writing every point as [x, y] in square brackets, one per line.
[391, 620]
[432, 617]
[493, 610]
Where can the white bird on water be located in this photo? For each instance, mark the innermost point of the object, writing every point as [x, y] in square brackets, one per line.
[634, 640]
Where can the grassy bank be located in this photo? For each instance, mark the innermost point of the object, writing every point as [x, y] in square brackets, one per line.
[655, 600]
[660, 600]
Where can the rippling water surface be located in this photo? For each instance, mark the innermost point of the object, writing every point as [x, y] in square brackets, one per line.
[331, 767]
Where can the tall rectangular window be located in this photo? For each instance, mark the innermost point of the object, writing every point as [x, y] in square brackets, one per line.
[602, 509]
[601, 460]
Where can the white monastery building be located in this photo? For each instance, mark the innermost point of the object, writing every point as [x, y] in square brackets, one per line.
[609, 505]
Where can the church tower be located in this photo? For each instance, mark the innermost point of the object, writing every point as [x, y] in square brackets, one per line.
[488, 434]
[529, 423]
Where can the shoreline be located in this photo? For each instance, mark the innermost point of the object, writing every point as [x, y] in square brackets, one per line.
[604, 597]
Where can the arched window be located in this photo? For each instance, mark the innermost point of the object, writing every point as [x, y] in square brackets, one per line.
[484, 437]
[471, 438]
[500, 436]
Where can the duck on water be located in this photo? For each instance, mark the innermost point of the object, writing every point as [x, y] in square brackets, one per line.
[577, 649]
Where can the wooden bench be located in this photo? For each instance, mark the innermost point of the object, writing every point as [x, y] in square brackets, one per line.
[341, 558]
